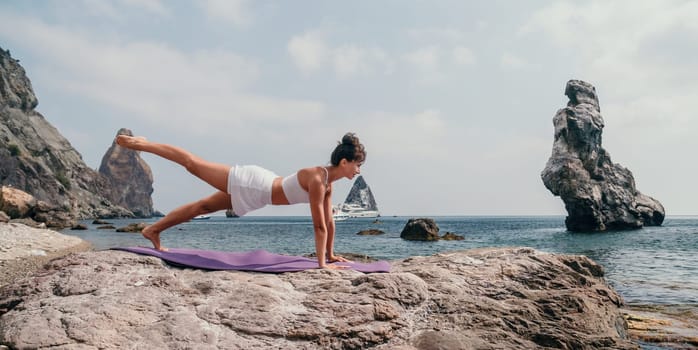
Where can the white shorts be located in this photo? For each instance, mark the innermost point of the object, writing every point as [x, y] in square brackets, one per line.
[249, 187]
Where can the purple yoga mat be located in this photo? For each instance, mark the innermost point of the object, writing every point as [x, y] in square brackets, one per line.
[256, 260]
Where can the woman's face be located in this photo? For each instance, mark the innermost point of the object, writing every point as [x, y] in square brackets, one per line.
[351, 168]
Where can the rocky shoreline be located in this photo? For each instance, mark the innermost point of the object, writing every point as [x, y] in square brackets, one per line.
[24, 249]
[491, 298]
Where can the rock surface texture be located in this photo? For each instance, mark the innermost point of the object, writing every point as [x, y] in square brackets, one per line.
[38, 160]
[598, 194]
[506, 298]
[130, 176]
[24, 249]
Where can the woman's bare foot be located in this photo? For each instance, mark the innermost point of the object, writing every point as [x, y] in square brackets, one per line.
[153, 237]
[132, 142]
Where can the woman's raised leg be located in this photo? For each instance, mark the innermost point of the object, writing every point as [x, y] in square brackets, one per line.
[215, 202]
[215, 174]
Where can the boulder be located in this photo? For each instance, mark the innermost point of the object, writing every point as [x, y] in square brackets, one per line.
[23, 206]
[29, 222]
[450, 236]
[421, 229]
[370, 232]
[598, 194]
[504, 298]
[16, 203]
[134, 227]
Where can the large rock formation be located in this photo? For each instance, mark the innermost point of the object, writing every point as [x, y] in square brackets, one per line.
[36, 159]
[131, 176]
[361, 195]
[598, 194]
[506, 298]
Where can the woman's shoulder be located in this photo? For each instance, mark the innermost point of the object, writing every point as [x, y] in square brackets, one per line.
[310, 170]
[311, 174]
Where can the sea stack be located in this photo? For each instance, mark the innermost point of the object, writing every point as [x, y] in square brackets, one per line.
[361, 195]
[131, 175]
[598, 194]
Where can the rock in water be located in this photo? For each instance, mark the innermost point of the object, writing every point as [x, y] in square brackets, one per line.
[38, 160]
[421, 229]
[130, 174]
[361, 195]
[598, 194]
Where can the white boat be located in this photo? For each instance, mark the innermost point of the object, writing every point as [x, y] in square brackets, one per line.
[340, 216]
[201, 217]
[357, 211]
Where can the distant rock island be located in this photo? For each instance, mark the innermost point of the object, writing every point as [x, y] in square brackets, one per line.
[38, 160]
[361, 195]
[598, 194]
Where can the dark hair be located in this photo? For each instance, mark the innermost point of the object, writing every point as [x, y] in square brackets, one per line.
[350, 149]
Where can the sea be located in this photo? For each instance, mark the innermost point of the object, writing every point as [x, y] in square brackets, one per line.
[652, 266]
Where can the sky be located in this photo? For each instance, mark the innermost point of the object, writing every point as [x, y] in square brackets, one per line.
[453, 100]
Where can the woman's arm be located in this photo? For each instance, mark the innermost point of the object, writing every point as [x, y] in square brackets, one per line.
[320, 214]
[317, 211]
[330, 231]
[329, 220]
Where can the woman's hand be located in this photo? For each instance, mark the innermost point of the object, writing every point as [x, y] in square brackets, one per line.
[337, 258]
[334, 267]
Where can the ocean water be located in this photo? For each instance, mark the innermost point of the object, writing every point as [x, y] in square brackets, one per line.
[654, 265]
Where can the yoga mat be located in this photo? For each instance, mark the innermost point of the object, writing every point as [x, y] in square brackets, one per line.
[256, 260]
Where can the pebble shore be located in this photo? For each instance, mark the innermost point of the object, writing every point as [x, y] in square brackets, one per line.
[24, 249]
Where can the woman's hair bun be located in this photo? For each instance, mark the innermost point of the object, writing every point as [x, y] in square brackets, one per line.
[350, 139]
[350, 149]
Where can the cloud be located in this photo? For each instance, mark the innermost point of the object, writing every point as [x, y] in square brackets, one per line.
[116, 9]
[151, 6]
[425, 58]
[308, 51]
[463, 56]
[199, 91]
[230, 11]
[352, 60]
[631, 52]
[435, 34]
[405, 137]
[311, 53]
[511, 61]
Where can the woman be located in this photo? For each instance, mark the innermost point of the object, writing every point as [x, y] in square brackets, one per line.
[246, 188]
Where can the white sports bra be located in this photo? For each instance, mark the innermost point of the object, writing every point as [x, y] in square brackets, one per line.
[293, 190]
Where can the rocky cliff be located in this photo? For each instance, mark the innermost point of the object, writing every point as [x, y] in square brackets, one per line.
[598, 194]
[361, 195]
[37, 159]
[504, 298]
[130, 176]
